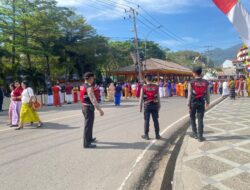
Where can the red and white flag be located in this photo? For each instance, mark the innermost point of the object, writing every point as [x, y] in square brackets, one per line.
[238, 16]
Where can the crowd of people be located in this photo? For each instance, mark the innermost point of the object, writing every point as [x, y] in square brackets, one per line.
[232, 87]
[115, 91]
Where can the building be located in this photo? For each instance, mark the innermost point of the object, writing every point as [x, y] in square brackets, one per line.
[159, 68]
[242, 61]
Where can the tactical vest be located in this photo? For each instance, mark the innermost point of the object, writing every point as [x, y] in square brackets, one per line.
[199, 89]
[84, 97]
[150, 93]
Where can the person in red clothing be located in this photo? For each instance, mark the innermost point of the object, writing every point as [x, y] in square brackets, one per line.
[75, 94]
[56, 89]
[97, 93]
[16, 107]
[68, 90]
[138, 90]
[150, 99]
[237, 84]
[129, 90]
[215, 87]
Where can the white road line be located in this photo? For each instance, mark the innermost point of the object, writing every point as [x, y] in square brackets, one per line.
[47, 121]
[140, 157]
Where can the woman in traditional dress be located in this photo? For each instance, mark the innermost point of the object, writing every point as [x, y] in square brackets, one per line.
[173, 85]
[68, 90]
[12, 88]
[220, 87]
[225, 90]
[133, 86]
[182, 92]
[215, 87]
[169, 88]
[161, 88]
[17, 103]
[111, 91]
[75, 94]
[118, 94]
[50, 95]
[241, 87]
[186, 89]
[138, 89]
[248, 85]
[129, 90]
[102, 93]
[28, 114]
[126, 90]
[56, 96]
[232, 88]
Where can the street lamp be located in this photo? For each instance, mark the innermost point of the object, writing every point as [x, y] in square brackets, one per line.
[146, 39]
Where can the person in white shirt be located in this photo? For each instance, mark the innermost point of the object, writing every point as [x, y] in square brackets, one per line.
[27, 113]
[225, 89]
[102, 93]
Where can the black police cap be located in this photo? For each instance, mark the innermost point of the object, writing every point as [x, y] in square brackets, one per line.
[197, 70]
[88, 75]
[149, 77]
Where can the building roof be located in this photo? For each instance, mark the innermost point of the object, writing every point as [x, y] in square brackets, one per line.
[157, 66]
[228, 64]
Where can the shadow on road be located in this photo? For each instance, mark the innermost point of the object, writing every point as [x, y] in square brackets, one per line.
[55, 126]
[229, 137]
[136, 145]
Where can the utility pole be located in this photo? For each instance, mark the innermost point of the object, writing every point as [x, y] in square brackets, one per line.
[208, 53]
[138, 61]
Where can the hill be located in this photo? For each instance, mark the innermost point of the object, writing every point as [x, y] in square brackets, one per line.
[218, 55]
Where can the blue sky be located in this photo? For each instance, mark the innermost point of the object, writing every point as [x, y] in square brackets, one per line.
[193, 24]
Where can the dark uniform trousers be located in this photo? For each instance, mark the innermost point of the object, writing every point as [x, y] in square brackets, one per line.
[198, 108]
[1, 102]
[89, 115]
[151, 109]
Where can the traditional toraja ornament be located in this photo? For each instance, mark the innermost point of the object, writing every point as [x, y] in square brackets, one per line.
[243, 54]
[248, 68]
[238, 16]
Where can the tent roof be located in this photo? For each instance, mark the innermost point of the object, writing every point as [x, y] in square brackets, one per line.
[157, 65]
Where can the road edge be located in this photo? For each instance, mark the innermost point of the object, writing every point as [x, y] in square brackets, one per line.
[163, 171]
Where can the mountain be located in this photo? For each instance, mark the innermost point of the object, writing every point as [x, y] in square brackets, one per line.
[218, 55]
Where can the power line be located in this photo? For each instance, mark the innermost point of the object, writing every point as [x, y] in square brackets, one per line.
[109, 3]
[105, 5]
[155, 26]
[160, 23]
[155, 20]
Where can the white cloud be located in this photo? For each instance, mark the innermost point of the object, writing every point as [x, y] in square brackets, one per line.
[174, 43]
[104, 11]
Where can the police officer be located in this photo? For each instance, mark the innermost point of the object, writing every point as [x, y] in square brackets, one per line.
[151, 100]
[198, 101]
[89, 104]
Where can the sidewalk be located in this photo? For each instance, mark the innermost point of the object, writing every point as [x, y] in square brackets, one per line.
[222, 162]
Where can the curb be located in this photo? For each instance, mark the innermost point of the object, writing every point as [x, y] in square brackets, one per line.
[163, 172]
[176, 180]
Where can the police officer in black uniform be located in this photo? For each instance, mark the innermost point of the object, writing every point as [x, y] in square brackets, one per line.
[198, 101]
[151, 100]
[89, 104]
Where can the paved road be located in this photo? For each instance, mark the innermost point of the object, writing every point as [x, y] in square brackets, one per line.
[222, 162]
[52, 158]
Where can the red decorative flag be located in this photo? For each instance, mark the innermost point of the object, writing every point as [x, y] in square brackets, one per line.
[238, 16]
[225, 5]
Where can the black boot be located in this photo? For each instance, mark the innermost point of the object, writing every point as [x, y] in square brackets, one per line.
[194, 136]
[145, 136]
[201, 138]
[157, 136]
